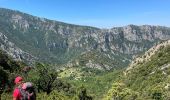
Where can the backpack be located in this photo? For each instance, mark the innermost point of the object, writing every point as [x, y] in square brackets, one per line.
[27, 91]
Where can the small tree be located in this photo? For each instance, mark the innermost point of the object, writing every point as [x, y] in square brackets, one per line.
[3, 80]
[47, 77]
[82, 94]
[157, 93]
[119, 91]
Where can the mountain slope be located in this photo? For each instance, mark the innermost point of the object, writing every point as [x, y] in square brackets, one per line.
[59, 43]
[14, 51]
[147, 78]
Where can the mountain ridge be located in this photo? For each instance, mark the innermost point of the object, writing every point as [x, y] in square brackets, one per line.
[57, 42]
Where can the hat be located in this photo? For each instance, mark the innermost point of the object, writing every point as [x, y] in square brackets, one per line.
[18, 79]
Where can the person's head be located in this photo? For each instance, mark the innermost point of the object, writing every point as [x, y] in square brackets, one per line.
[18, 80]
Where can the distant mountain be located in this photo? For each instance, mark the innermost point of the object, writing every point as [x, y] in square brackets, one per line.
[73, 45]
[147, 77]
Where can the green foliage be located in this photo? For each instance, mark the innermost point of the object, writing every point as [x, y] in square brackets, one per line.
[8, 70]
[3, 79]
[147, 81]
[120, 92]
[6, 96]
[97, 85]
[8, 64]
[45, 77]
[54, 95]
[157, 93]
[82, 94]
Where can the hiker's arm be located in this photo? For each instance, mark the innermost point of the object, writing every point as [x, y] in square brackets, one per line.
[15, 94]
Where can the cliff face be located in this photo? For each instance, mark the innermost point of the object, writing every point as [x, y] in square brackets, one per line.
[60, 43]
[134, 39]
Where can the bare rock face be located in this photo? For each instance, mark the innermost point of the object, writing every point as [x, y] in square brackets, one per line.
[17, 19]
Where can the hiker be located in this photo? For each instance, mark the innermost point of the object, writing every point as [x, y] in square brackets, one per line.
[16, 93]
[23, 91]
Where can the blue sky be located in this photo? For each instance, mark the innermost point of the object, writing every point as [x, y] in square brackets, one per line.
[98, 13]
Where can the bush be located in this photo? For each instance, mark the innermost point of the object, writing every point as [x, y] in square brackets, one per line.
[120, 92]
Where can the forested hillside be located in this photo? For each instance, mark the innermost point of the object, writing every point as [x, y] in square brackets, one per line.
[145, 79]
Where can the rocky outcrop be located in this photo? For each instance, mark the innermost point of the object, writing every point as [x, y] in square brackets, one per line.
[15, 52]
